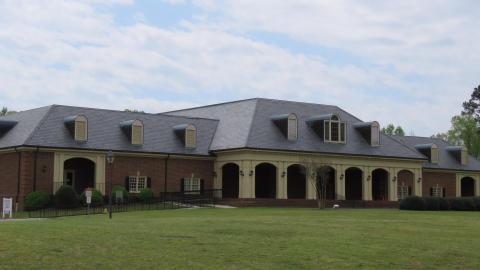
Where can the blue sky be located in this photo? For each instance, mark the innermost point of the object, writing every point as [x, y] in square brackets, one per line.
[407, 63]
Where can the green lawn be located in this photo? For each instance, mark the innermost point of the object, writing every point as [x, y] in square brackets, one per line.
[266, 238]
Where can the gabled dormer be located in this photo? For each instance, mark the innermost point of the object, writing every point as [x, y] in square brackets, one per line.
[187, 133]
[370, 131]
[429, 150]
[460, 153]
[77, 125]
[133, 129]
[288, 125]
[6, 125]
[329, 127]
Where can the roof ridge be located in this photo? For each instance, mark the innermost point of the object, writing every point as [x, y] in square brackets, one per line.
[251, 123]
[211, 105]
[403, 144]
[44, 117]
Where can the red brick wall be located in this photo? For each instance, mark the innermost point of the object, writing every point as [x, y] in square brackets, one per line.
[45, 171]
[154, 168]
[446, 180]
[182, 168]
[8, 175]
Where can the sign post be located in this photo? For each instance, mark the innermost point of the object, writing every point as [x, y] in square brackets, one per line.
[7, 207]
[88, 196]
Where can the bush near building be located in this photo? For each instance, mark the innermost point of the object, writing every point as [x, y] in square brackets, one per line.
[440, 204]
[37, 200]
[66, 198]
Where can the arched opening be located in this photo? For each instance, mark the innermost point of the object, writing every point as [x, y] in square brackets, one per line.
[380, 185]
[230, 180]
[405, 184]
[467, 187]
[296, 182]
[265, 181]
[326, 176]
[353, 184]
[79, 173]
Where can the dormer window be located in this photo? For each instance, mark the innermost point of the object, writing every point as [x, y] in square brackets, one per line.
[460, 153]
[430, 150]
[133, 129]
[288, 125]
[78, 127]
[335, 130]
[6, 125]
[370, 131]
[187, 133]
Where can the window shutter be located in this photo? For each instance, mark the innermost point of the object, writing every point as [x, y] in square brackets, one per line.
[80, 130]
[127, 183]
[409, 191]
[326, 130]
[201, 186]
[343, 132]
[149, 182]
[444, 191]
[292, 128]
[375, 135]
[137, 134]
[182, 185]
[431, 191]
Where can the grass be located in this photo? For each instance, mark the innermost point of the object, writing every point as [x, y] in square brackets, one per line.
[251, 238]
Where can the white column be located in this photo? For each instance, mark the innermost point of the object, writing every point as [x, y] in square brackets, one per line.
[340, 182]
[366, 184]
[458, 185]
[417, 185]
[311, 187]
[217, 180]
[281, 192]
[477, 186]
[392, 185]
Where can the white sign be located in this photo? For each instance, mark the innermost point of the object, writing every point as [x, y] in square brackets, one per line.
[88, 194]
[7, 207]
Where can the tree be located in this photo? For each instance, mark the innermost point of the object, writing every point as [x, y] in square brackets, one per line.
[392, 130]
[472, 106]
[4, 111]
[317, 176]
[134, 111]
[443, 136]
[465, 131]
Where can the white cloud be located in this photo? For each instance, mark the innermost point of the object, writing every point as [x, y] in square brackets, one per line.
[74, 53]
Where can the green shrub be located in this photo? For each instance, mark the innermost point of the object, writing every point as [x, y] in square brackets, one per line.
[146, 195]
[66, 197]
[432, 203]
[462, 204]
[412, 203]
[114, 194]
[476, 202]
[97, 198]
[37, 200]
[444, 204]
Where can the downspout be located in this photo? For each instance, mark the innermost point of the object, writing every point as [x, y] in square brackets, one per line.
[35, 171]
[18, 178]
[166, 173]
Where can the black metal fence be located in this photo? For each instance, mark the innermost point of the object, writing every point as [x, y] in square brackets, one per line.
[168, 200]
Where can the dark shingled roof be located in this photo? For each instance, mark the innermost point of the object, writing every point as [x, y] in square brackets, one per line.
[248, 124]
[45, 127]
[446, 160]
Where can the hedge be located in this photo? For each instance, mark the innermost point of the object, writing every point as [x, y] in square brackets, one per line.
[37, 200]
[440, 204]
[66, 197]
[114, 194]
[146, 195]
[97, 198]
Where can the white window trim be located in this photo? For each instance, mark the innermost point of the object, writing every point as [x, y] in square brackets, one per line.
[437, 191]
[292, 135]
[329, 123]
[192, 185]
[402, 192]
[137, 187]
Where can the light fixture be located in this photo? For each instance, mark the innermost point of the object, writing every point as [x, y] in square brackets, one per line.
[241, 173]
[110, 157]
[394, 179]
[419, 180]
[251, 173]
[214, 174]
[369, 177]
[283, 174]
[342, 176]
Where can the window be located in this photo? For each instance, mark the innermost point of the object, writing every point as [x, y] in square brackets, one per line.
[137, 133]
[464, 157]
[403, 192]
[191, 137]
[137, 183]
[437, 191]
[335, 131]
[292, 127]
[192, 185]
[81, 128]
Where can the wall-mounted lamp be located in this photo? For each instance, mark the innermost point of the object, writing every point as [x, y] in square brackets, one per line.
[241, 173]
[283, 174]
[369, 177]
[214, 174]
[251, 173]
[419, 180]
[394, 179]
[44, 169]
[342, 176]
